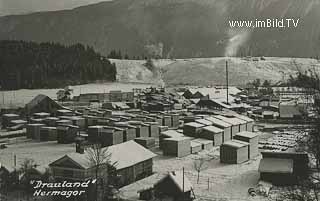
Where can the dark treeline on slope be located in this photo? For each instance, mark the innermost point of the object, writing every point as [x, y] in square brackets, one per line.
[49, 65]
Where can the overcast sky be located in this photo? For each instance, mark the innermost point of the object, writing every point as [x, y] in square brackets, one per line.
[8, 7]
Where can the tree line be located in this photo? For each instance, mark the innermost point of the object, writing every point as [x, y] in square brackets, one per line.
[49, 65]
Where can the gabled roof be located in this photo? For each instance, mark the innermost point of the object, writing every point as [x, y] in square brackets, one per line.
[243, 117]
[171, 133]
[247, 134]
[233, 121]
[276, 165]
[213, 129]
[39, 98]
[194, 124]
[219, 122]
[124, 155]
[180, 180]
[36, 100]
[236, 143]
[204, 122]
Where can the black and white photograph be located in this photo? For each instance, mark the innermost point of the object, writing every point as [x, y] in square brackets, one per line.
[160, 100]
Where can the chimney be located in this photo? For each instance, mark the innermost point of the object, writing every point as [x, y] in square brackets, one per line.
[79, 148]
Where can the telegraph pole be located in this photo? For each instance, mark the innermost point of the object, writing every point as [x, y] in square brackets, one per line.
[227, 81]
[183, 179]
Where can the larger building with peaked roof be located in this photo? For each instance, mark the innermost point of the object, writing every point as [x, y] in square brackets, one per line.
[42, 103]
[132, 162]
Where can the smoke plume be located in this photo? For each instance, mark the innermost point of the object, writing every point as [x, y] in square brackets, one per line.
[236, 40]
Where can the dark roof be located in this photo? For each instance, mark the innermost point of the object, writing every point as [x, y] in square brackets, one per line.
[276, 165]
[181, 181]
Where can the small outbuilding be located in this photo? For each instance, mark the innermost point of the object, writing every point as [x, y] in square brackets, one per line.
[212, 133]
[142, 129]
[252, 139]
[278, 171]
[249, 122]
[205, 144]
[195, 147]
[177, 146]
[48, 134]
[168, 134]
[234, 122]
[234, 152]
[226, 127]
[192, 129]
[67, 133]
[146, 142]
[129, 131]
[33, 131]
[153, 129]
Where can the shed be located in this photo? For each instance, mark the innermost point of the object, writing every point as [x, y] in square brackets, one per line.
[234, 151]
[249, 124]
[226, 127]
[146, 142]
[33, 131]
[94, 133]
[153, 129]
[142, 129]
[195, 147]
[192, 129]
[67, 133]
[252, 139]
[157, 118]
[48, 134]
[168, 134]
[300, 160]
[111, 136]
[291, 110]
[278, 171]
[105, 135]
[177, 146]
[175, 118]
[129, 131]
[206, 144]
[167, 121]
[235, 124]
[212, 133]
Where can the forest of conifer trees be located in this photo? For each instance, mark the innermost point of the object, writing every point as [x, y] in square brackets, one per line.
[49, 65]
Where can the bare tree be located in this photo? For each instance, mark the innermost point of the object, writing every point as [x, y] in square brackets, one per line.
[198, 166]
[100, 159]
[25, 173]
